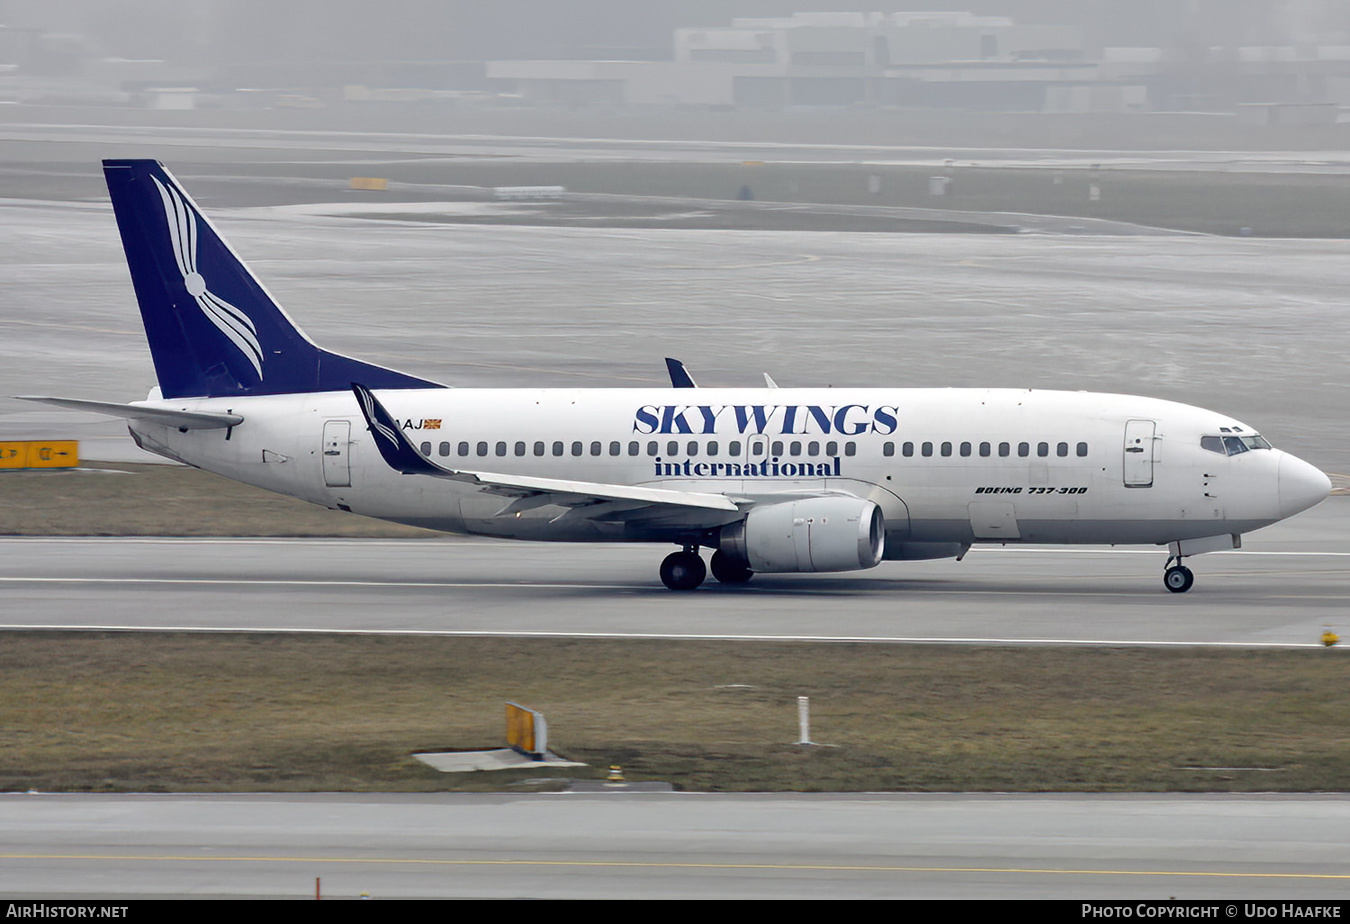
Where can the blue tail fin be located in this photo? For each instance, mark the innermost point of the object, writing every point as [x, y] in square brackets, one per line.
[214, 330]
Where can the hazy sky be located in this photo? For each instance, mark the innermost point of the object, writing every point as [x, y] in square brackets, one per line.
[225, 31]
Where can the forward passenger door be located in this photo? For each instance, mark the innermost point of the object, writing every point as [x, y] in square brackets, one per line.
[1138, 465]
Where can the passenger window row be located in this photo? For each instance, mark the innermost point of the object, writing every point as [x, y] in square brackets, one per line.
[635, 448]
[780, 448]
[985, 450]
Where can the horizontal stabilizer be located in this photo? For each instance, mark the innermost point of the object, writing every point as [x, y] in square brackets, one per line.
[168, 417]
[403, 457]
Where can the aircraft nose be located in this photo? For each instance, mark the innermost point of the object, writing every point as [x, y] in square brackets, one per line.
[1301, 485]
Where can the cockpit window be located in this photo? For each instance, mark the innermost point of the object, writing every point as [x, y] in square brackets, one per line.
[1233, 445]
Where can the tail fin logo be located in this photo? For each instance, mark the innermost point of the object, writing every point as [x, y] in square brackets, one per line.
[229, 320]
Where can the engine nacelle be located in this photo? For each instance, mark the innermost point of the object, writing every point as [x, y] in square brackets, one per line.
[812, 534]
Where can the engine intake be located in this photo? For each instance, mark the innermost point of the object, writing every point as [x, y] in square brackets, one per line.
[812, 534]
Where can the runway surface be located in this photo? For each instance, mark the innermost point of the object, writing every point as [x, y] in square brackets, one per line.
[667, 846]
[1289, 583]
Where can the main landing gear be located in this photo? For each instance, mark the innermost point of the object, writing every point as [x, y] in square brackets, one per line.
[685, 570]
[1177, 578]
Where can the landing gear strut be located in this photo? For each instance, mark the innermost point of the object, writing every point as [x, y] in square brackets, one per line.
[683, 570]
[1177, 578]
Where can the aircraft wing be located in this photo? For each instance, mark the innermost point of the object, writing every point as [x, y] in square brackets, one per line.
[588, 498]
[182, 420]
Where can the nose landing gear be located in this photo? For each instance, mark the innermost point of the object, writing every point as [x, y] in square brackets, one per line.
[1177, 578]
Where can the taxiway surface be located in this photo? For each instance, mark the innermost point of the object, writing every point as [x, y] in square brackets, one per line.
[676, 846]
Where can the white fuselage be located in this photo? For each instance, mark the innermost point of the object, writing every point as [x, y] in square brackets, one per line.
[947, 467]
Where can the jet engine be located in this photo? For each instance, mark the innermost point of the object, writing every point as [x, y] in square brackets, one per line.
[813, 534]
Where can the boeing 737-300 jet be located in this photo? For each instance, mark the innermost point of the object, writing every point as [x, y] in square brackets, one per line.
[772, 480]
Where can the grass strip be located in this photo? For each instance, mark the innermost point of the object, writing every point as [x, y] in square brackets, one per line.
[186, 712]
[107, 499]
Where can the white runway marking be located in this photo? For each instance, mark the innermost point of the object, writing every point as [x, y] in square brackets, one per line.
[271, 582]
[678, 636]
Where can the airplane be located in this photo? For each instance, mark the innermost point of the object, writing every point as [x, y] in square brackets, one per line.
[772, 480]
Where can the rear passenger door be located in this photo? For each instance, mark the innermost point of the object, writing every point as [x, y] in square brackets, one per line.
[337, 471]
